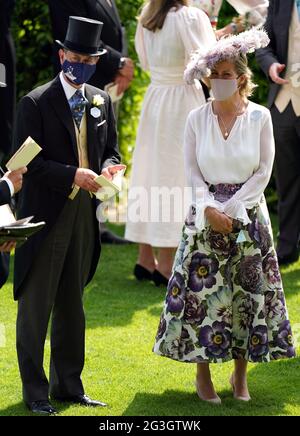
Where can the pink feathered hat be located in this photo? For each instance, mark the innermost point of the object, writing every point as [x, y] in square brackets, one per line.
[226, 48]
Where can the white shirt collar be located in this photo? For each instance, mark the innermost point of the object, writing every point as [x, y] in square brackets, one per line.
[69, 90]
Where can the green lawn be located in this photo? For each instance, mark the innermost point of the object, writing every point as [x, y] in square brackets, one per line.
[120, 369]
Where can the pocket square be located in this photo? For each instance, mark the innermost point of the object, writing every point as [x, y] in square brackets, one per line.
[101, 124]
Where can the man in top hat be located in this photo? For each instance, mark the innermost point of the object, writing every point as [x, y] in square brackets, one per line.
[115, 65]
[74, 124]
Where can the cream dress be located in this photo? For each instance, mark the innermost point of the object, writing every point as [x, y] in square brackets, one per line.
[158, 156]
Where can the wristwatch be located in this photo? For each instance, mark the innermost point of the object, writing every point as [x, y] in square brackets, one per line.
[122, 63]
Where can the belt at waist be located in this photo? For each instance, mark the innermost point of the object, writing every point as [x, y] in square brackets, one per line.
[223, 191]
[167, 77]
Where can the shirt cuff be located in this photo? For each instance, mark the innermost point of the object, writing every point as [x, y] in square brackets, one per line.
[10, 185]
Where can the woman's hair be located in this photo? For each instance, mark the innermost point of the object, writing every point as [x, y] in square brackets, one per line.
[241, 67]
[154, 12]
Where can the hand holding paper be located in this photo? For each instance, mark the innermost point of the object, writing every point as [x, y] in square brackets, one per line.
[16, 178]
[110, 182]
[110, 171]
[24, 155]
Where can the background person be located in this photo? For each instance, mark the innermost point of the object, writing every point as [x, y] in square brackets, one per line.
[280, 62]
[167, 33]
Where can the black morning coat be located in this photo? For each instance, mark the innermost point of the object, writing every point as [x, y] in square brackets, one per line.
[7, 95]
[44, 114]
[277, 26]
[4, 257]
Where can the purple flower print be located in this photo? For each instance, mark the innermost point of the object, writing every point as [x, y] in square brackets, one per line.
[258, 343]
[176, 294]
[219, 241]
[271, 269]
[202, 272]
[216, 339]
[161, 328]
[275, 310]
[260, 234]
[195, 312]
[249, 274]
[285, 338]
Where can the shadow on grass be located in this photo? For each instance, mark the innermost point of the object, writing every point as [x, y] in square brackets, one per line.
[114, 295]
[20, 409]
[273, 387]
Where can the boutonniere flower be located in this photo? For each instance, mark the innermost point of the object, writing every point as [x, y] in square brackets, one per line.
[98, 101]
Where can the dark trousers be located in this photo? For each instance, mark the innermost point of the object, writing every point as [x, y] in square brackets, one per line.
[287, 173]
[55, 285]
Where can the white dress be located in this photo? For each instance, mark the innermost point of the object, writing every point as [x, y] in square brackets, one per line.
[246, 156]
[158, 155]
[256, 9]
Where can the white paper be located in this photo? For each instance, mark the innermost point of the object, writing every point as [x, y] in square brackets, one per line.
[109, 188]
[28, 151]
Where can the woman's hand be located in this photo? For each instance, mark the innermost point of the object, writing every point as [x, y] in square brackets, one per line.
[219, 221]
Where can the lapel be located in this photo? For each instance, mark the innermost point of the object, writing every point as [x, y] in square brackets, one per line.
[92, 122]
[61, 106]
[284, 13]
[111, 12]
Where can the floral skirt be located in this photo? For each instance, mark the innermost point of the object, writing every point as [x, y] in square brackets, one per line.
[225, 298]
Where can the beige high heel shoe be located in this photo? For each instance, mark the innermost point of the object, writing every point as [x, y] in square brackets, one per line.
[216, 400]
[238, 397]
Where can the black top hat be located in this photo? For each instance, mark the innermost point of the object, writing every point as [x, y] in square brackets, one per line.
[83, 36]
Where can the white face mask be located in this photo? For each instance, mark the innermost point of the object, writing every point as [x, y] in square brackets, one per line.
[223, 89]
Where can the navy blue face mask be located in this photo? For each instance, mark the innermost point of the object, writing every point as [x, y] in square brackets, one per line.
[77, 72]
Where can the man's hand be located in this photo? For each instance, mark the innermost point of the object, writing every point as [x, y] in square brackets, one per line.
[274, 71]
[7, 247]
[122, 82]
[128, 69]
[84, 178]
[219, 221]
[108, 172]
[16, 177]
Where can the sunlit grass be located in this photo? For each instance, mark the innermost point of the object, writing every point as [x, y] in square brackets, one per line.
[122, 317]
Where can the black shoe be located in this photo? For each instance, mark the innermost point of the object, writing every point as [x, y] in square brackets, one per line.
[107, 237]
[83, 400]
[142, 273]
[43, 407]
[159, 279]
[290, 258]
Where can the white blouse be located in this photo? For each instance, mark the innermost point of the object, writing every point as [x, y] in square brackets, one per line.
[246, 156]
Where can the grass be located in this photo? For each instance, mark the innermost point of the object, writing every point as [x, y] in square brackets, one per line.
[120, 369]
